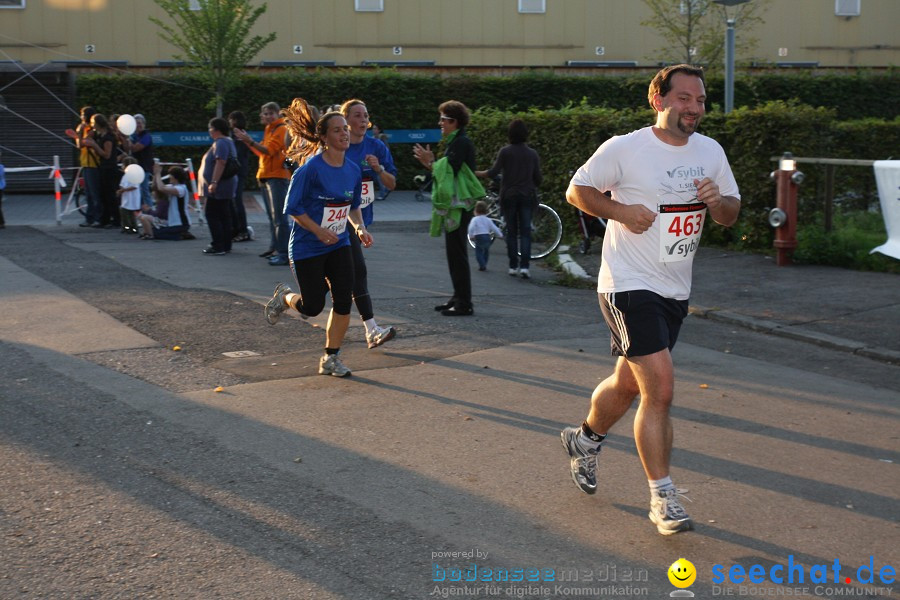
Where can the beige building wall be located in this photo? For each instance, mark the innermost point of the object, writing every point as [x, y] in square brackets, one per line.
[447, 33]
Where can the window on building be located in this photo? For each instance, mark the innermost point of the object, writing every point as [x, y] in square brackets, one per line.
[533, 6]
[847, 8]
[12, 3]
[369, 5]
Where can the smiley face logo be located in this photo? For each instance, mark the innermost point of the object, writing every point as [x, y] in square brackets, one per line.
[682, 573]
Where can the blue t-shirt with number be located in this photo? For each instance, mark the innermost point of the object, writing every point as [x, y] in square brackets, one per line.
[356, 154]
[326, 195]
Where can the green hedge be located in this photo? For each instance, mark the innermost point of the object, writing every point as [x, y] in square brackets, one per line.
[569, 117]
[566, 138]
[401, 101]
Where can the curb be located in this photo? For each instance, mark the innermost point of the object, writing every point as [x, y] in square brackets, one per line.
[568, 264]
[798, 333]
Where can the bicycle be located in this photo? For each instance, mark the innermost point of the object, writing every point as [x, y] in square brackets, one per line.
[546, 226]
[591, 227]
[77, 196]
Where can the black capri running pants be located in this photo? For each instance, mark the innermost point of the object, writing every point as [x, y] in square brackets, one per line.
[360, 280]
[316, 275]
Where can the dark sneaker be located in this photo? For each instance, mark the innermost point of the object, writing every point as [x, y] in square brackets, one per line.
[583, 461]
[278, 303]
[668, 514]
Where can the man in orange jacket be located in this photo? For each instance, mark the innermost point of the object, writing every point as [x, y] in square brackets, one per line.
[273, 179]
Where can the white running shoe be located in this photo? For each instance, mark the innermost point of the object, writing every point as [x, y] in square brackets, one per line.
[379, 335]
[668, 514]
[582, 461]
[513, 272]
[330, 364]
[524, 273]
[277, 304]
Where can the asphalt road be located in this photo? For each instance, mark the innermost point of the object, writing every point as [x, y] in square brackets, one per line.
[125, 475]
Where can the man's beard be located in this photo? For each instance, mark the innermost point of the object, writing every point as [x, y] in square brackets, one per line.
[688, 128]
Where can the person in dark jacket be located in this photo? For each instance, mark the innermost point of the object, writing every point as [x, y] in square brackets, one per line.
[240, 231]
[520, 168]
[460, 157]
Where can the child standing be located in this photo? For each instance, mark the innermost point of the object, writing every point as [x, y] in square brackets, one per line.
[130, 194]
[482, 231]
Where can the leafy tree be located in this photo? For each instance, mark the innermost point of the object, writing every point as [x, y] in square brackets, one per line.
[214, 39]
[694, 30]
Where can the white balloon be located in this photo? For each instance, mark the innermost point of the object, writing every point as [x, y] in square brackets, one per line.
[134, 175]
[126, 124]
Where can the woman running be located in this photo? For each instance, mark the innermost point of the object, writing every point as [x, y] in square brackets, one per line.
[376, 163]
[323, 196]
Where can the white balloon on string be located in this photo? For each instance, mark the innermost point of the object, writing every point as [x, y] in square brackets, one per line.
[126, 124]
[134, 174]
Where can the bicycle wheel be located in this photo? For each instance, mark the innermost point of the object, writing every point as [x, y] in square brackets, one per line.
[80, 198]
[546, 231]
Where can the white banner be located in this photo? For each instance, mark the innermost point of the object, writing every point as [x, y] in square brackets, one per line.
[887, 176]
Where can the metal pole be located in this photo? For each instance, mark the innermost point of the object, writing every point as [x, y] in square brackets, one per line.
[57, 188]
[729, 65]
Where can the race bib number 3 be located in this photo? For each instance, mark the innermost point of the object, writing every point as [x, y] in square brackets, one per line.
[368, 193]
[680, 229]
[334, 218]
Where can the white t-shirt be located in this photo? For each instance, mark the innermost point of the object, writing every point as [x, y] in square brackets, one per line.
[480, 224]
[175, 214]
[131, 199]
[639, 168]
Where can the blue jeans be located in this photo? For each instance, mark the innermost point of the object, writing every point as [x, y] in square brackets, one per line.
[146, 198]
[238, 212]
[517, 212]
[275, 190]
[483, 243]
[94, 199]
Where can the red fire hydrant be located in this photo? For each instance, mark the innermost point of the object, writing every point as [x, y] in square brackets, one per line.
[784, 216]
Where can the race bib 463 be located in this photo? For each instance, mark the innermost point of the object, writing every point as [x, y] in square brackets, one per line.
[680, 229]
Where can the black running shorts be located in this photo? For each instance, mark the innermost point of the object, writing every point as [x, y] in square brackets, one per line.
[641, 322]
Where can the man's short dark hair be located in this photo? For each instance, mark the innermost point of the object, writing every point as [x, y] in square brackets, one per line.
[662, 82]
[239, 119]
[518, 132]
[178, 174]
[220, 125]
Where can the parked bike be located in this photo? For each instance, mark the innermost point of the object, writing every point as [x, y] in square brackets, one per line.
[546, 226]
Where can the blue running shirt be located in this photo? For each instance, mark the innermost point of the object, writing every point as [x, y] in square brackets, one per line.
[326, 195]
[357, 155]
